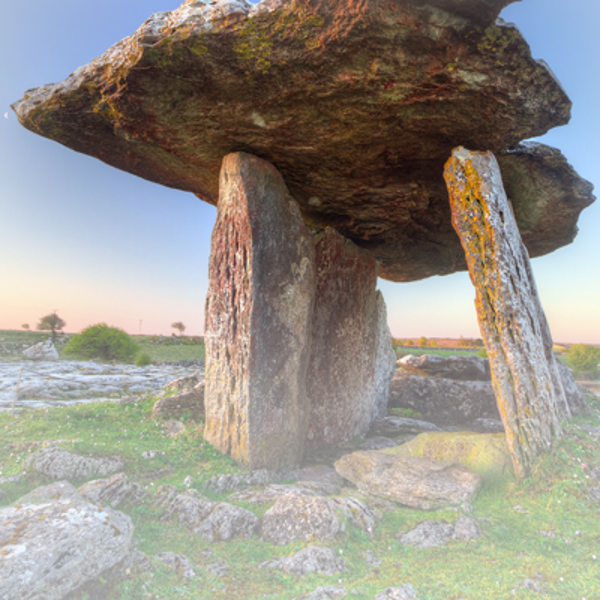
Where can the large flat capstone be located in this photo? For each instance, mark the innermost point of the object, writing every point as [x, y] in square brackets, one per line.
[357, 104]
[258, 314]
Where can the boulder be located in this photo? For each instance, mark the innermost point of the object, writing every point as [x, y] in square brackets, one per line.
[54, 542]
[525, 374]
[227, 522]
[346, 389]
[414, 482]
[297, 517]
[463, 368]
[393, 425]
[399, 84]
[58, 464]
[446, 401]
[113, 490]
[42, 351]
[312, 559]
[483, 453]
[190, 403]
[258, 312]
[431, 534]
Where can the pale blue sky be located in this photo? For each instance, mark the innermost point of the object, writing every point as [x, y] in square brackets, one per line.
[98, 244]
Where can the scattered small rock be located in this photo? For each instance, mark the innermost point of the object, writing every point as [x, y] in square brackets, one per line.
[178, 563]
[219, 568]
[58, 464]
[371, 558]
[430, 534]
[174, 428]
[312, 559]
[326, 592]
[404, 592]
[148, 454]
[226, 522]
[487, 426]
[114, 490]
[297, 517]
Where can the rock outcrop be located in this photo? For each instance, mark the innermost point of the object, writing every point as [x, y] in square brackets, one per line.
[346, 388]
[259, 308]
[414, 482]
[357, 104]
[42, 351]
[525, 376]
[447, 402]
[68, 542]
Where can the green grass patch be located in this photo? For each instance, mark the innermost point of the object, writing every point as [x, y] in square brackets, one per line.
[546, 528]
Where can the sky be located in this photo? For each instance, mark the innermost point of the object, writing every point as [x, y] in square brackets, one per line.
[100, 245]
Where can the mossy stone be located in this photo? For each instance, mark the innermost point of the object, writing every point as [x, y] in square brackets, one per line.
[482, 453]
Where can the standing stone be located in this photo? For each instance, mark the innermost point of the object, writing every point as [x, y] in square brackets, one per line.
[258, 313]
[525, 377]
[352, 361]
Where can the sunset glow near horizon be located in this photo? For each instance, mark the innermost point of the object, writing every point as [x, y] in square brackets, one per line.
[100, 245]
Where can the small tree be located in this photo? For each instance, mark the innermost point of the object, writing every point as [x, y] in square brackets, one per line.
[179, 326]
[52, 323]
[584, 357]
[25, 326]
[422, 341]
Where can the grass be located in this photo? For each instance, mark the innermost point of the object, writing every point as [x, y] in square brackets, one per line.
[159, 348]
[554, 500]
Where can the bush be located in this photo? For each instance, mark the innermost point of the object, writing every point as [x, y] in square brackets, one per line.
[104, 342]
[143, 359]
[583, 357]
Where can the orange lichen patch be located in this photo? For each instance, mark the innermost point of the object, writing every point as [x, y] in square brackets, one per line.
[525, 377]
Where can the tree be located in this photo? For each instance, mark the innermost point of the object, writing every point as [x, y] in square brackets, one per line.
[422, 341]
[52, 323]
[584, 357]
[179, 326]
[25, 326]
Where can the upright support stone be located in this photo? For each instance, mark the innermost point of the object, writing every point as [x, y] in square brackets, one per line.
[525, 376]
[352, 362]
[258, 313]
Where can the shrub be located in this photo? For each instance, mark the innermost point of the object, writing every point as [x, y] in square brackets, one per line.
[583, 357]
[143, 359]
[104, 342]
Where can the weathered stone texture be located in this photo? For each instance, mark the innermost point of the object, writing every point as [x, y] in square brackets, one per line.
[415, 482]
[444, 401]
[258, 313]
[53, 542]
[461, 368]
[525, 377]
[358, 104]
[351, 360]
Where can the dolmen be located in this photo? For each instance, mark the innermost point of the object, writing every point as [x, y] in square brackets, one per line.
[321, 133]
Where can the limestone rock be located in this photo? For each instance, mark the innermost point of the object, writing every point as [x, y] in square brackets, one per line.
[53, 542]
[190, 508]
[463, 368]
[393, 425]
[398, 86]
[184, 384]
[184, 403]
[298, 517]
[312, 559]
[235, 481]
[377, 443]
[525, 376]
[323, 479]
[113, 490]
[483, 453]
[346, 389]
[415, 482]
[404, 592]
[58, 464]
[573, 392]
[42, 351]
[258, 310]
[357, 513]
[431, 534]
[445, 401]
[178, 563]
[325, 592]
[487, 426]
[227, 522]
